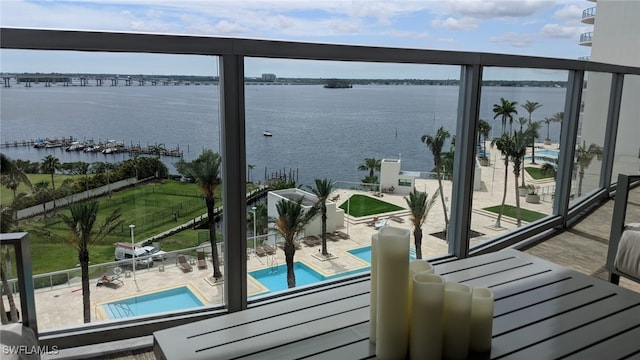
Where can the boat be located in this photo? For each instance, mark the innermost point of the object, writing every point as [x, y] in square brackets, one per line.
[267, 133]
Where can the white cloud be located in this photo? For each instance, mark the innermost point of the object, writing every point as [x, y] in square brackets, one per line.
[513, 39]
[408, 34]
[448, 40]
[559, 31]
[487, 9]
[569, 13]
[464, 23]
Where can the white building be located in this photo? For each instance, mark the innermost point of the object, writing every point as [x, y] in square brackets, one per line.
[335, 215]
[615, 39]
[392, 179]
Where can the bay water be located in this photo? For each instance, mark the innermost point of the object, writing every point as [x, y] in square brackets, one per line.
[317, 132]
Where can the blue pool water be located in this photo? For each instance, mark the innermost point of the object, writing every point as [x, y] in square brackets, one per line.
[364, 253]
[276, 279]
[167, 300]
[553, 153]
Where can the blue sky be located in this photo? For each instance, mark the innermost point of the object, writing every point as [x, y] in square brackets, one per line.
[526, 27]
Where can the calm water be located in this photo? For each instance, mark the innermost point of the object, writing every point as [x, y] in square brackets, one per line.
[167, 300]
[320, 132]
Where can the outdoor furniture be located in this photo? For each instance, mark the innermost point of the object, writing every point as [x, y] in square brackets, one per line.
[342, 235]
[260, 251]
[183, 264]
[542, 311]
[268, 249]
[311, 240]
[396, 219]
[110, 281]
[623, 258]
[202, 261]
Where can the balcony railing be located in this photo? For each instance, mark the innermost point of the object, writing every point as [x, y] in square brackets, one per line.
[589, 15]
[586, 38]
[232, 54]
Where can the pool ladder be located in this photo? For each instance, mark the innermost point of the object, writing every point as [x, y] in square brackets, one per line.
[273, 263]
[122, 310]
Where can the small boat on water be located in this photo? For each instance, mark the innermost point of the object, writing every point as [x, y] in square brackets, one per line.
[267, 133]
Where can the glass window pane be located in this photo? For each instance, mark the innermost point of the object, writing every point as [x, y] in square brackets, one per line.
[515, 103]
[627, 155]
[590, 140]
[111, 129]
[359, 125]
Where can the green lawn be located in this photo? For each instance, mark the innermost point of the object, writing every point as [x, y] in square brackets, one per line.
[362, 205]
[150, 207]
[510, 211]
[536, 173]
[6, 195]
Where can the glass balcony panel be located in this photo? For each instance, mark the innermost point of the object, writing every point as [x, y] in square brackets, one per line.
[359, 125]
[627, 154]
[117, 128]
[590, 139]
[507, 92]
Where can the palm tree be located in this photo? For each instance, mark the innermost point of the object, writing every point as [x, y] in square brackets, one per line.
[49, 165]
[372, 180]
[484, 128]
[322, 191]
[371, 165]
[532, 132]
[12, 176]
[42, 194]
[584, 155]
[548, 122]
[503, 143]
[532, 106]
[82, 233]
[517, 150]
[290, 221]
[419, 204]
[206, 172]
[505, 110]
[435, 144]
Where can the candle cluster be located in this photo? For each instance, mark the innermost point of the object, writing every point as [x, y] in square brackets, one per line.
[415, 311]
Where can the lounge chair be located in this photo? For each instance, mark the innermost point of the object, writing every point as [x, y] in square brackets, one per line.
[202, 261]
[268, 249]
[183, 264]
[110, 281]
[260, 251]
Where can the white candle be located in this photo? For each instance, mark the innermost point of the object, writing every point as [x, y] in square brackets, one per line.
[415, 267]
[374, 288]
[457, 315]
[427, 317]
[481, 320]
[392, 327]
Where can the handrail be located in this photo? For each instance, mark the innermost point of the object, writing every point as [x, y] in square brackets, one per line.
[41, 39]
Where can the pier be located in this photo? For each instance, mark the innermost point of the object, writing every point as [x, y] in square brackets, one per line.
[90, 146]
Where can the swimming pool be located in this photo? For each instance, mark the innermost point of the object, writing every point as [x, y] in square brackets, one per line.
[167, 300]
[364, 253]
[276, 279]
[545, 152]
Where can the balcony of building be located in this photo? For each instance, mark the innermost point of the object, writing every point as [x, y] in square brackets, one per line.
[589, 16]
[563, 200]
[586, 39]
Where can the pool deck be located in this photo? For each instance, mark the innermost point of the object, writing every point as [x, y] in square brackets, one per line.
[62, 306]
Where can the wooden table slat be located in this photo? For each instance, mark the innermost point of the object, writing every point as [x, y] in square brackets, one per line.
[582, 337]
[618, 347]
[542, 310]
[542, 330]
[317, 345]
